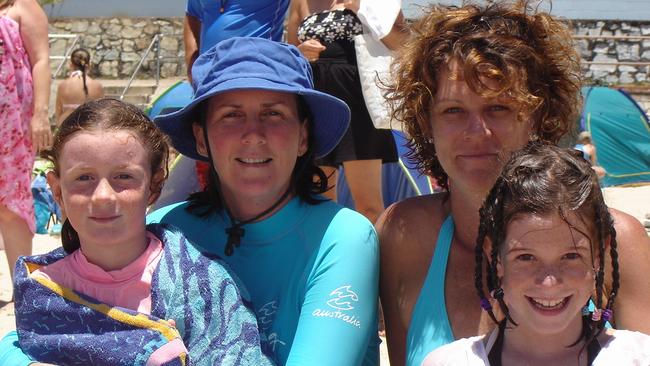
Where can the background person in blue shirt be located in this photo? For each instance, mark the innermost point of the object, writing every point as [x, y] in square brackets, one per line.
[310, 265]
[208, 22]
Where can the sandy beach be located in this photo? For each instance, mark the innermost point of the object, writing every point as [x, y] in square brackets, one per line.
[632, 200]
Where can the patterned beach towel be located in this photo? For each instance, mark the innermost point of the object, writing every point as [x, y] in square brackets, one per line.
[212, 315]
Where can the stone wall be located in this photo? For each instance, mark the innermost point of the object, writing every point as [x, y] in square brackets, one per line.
[631, 54]
[117, 44]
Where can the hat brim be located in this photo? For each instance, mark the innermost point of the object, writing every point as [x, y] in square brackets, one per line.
[331, 116]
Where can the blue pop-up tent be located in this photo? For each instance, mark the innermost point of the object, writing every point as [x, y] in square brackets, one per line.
[620, 130]
[399, 180]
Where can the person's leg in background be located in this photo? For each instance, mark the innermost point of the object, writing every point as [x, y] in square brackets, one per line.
[364, 180]
[16, 235]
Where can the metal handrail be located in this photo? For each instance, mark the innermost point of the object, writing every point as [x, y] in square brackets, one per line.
[68, 51]
[155, 41]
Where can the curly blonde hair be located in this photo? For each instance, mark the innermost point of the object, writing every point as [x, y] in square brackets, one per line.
[528, 53]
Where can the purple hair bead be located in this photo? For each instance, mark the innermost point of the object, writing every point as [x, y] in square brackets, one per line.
[485, 304]
[607, 315]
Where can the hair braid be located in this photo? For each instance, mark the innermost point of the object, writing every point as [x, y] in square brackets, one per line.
[478, 273]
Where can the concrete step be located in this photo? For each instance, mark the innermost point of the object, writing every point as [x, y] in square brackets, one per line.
[133, 89]
[132, 98]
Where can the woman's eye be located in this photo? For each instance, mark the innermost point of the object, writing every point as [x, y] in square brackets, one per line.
[498, 108]
[124, 176]
[231, 115]
[84, 177]
[452, 110]
[273, 113]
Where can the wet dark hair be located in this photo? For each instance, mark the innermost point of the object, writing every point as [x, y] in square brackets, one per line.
[80, 58]
[110, 114]
[307, 179]
[544, 179]
[528, 54]
[4, 3]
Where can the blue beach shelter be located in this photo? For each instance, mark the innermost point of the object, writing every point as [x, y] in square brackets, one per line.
[620, 130]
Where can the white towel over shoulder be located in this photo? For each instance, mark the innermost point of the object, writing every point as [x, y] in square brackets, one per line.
[379, 16]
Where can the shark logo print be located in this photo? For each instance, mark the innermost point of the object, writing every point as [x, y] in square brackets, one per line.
[342, 298]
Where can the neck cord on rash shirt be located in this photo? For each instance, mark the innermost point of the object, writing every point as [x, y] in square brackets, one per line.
[236, 231]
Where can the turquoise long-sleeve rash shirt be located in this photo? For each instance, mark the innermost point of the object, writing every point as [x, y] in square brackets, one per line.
[312, 272]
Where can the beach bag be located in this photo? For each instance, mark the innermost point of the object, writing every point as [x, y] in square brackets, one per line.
[373, 62]
[45, 208]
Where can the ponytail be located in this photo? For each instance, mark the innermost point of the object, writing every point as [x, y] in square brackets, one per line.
[69, 237]
[81, 59]
[83, 75]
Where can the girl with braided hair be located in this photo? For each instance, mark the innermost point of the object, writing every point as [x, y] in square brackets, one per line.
[540, 253]
[471, 85]
[78, 88]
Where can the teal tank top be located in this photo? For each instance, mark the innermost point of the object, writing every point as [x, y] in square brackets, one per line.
[430, 327]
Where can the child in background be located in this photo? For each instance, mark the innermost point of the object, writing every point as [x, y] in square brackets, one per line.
[540, 253]
[78, 88]
[120, 292]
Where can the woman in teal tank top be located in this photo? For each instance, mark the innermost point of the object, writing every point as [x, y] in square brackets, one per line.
[474, 84]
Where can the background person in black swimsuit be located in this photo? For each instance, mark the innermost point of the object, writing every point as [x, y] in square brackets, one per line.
[323, 30]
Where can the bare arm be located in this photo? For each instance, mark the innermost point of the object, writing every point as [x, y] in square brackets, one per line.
[58, 107]
[191, 40]
[33, 31]
[631, 306]
[297, 11]
[310, 48]
[389, 287]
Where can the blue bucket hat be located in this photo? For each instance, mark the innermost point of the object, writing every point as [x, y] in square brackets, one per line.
[242, 63]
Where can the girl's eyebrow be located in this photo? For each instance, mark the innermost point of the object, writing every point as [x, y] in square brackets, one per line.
[518, 249]
[569, 246]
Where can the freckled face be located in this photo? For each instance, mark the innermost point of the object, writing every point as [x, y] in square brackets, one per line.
[474, 135]
[104, 184]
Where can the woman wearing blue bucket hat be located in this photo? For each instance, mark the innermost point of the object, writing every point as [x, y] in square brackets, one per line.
[310, 265]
